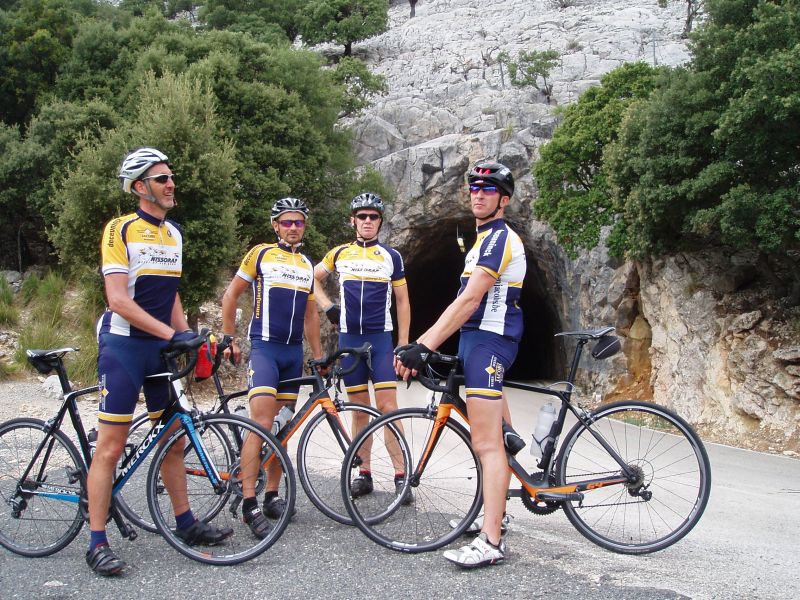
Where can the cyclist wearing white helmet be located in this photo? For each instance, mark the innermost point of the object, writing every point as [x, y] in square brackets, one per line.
[282, 281]
[487, 312]
[142, 255]
[369, 273]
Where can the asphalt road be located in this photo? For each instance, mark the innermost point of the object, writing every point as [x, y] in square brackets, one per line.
[745, 546]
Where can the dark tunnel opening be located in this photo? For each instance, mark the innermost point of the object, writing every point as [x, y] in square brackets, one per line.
[433, 281]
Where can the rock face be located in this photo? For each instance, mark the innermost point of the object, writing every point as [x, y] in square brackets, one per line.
[690, 342]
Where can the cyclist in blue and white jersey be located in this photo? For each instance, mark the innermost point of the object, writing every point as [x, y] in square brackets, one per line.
[282, 282]
[142, 255]
[488, 314]
[370, 273]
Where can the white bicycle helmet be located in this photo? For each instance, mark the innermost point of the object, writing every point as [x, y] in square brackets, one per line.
[285, 205]
[136, 164]
[367, 200]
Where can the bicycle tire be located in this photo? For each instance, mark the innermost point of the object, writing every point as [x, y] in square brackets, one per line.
[132, 498]
[241, 545]
[445, 500]
[45, 524]
[320, 456]
[674, 472]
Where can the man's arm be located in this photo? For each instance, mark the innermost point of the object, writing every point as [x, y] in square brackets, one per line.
[116, 285]
[322, 299]
[403, 304]
[229, 301]
[311, 328]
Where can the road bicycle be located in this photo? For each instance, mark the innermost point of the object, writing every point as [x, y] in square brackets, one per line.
[631, 476]
[43, 501]
[321, 446]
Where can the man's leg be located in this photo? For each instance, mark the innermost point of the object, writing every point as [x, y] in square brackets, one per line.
[485, 417]
[110, 444]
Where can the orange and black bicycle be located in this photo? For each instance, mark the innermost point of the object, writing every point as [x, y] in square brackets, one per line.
[631, 476]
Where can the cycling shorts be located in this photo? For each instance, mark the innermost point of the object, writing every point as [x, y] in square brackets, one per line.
[486, 357]
[270, 363]
[123, 362]
[382, 375]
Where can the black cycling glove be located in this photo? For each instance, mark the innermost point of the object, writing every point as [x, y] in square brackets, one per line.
[413, 356]
[334, 313]
[183, 340]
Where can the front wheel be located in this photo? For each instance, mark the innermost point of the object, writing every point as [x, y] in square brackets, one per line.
[424, 508]
[320, 453]
[40, 512]
[222, 479]
[672, 477]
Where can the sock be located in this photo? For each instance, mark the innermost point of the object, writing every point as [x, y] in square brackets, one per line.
[249, 504]
[399, 477]
[269, 496]
[97, 538]
[185, 520]
[366, 474]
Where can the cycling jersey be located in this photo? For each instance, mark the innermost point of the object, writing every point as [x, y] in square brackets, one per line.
[367, 273]
[283, 282]
[498, 251]
[149, 251]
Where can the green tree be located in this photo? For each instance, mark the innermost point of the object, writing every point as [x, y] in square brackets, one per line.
[175, 114]
[35, 40]
[712, 159]
[343, 21]
[260, 18]
[360, 83]
[573, 192]
[529, 67]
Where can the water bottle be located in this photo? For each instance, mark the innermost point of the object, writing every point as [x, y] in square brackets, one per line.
[547, 416]
[91, 437]
[284, 415]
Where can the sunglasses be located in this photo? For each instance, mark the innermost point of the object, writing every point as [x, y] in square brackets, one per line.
[162, 179]
[489, 189]
[368, 217]
[299, 223]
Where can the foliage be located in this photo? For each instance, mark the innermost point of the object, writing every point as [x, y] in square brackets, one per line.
[8, 312]
[343, 21]
[176, 114]
[573, 193]
[261, 19]
[529, 67]
[359, 82]
[45, 327]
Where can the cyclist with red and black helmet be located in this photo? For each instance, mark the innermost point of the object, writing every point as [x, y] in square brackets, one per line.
[487, 312]
[284, 310]
[370, 273]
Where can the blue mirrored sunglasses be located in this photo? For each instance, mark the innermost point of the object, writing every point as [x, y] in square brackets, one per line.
[475, 188]
[299, 223]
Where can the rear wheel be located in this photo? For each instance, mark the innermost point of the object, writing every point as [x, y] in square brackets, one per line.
[410, 513]
[320, 453]
[205, 498]
[40, 513]
[673, 477]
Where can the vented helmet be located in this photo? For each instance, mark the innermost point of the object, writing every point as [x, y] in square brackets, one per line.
[285, 205]
[486, 171]
[367, 200]
[137, 163]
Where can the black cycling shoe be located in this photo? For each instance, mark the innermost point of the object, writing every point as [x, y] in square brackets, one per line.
[408, 497]
[258, 523]
[361, 486]
[274, 507]
[203, 534]
[103, 561]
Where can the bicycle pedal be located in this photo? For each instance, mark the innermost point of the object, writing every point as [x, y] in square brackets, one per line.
[560, 497]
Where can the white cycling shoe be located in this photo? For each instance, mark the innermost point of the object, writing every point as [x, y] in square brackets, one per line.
[479, 553]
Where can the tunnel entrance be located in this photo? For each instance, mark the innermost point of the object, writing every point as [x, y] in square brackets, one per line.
[433, 281]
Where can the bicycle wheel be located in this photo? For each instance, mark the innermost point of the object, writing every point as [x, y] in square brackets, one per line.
[241, 545]
[132, 498]
[672, 489]
[419, 513]
[320, 453]
[39, 515]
